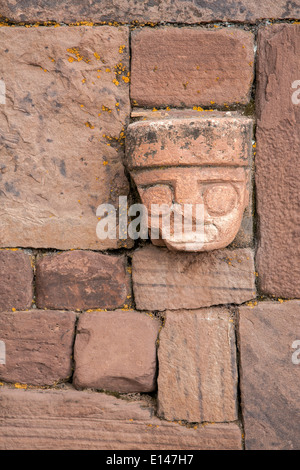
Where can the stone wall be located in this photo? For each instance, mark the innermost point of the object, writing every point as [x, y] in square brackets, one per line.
[137, 344]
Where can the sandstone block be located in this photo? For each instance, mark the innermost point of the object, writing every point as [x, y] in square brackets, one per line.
[190, 66]
[61, 130]
[116, 351]
[82, 280]
[93, 421]
[277, 160]
[16, 278]
[269, 342]
[38, 346]
[164, 280]
[197, 366]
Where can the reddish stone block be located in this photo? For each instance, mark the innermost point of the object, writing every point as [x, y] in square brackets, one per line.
[116, 351]
[269, 343]
[197, 379]
[96, 421]
[277, 160]
[38, 346]
[190, 66]
[16, 278]
[82, 280]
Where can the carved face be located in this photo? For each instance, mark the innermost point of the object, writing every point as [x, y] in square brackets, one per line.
[221, 192]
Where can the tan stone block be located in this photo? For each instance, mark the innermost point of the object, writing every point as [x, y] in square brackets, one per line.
[197, 379]
[84, 420]
[116, 351]
[61, 133]
[38, 346]
[82, 280]
[164, 280]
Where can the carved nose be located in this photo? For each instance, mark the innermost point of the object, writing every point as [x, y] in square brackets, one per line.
[187, 192]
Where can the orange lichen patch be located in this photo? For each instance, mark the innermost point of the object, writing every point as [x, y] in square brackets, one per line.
[106, 109]
[78, 57]
[20, 386]
[115, 81]
[97, 56]
[121, 49]
[251, 304]
[88, 124]
[198, 108]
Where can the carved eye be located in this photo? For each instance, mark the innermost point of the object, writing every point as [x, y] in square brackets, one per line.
[220, 199]
[158, 194]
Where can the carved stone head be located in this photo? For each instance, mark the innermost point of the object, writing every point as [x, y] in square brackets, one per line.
[193, 161]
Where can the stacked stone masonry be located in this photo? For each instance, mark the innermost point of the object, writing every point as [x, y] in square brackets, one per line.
[154, 343]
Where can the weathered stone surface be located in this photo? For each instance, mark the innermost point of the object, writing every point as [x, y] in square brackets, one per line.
[116, 351]
[60, 133]
[270, 374]
[165, 280]
[248, 11]
[178, 11]
[93, 421]
[70, 11]
[81, 280]
[191, 66]
[38, 346]
[197, 379]
[193, 160]
[277, 160]
[16, 278]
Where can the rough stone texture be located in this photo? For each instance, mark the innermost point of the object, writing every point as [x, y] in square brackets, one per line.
[81, 280]
[90, 421]
[197, 379]
[72, 11]
[116, 351]
[165, 280]
[277, 161]
[16, 278]
[38, 346]
[191, 66]
[188, 11]
[210, 151]
[56, 166]
[269, 378]
[248, 11]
